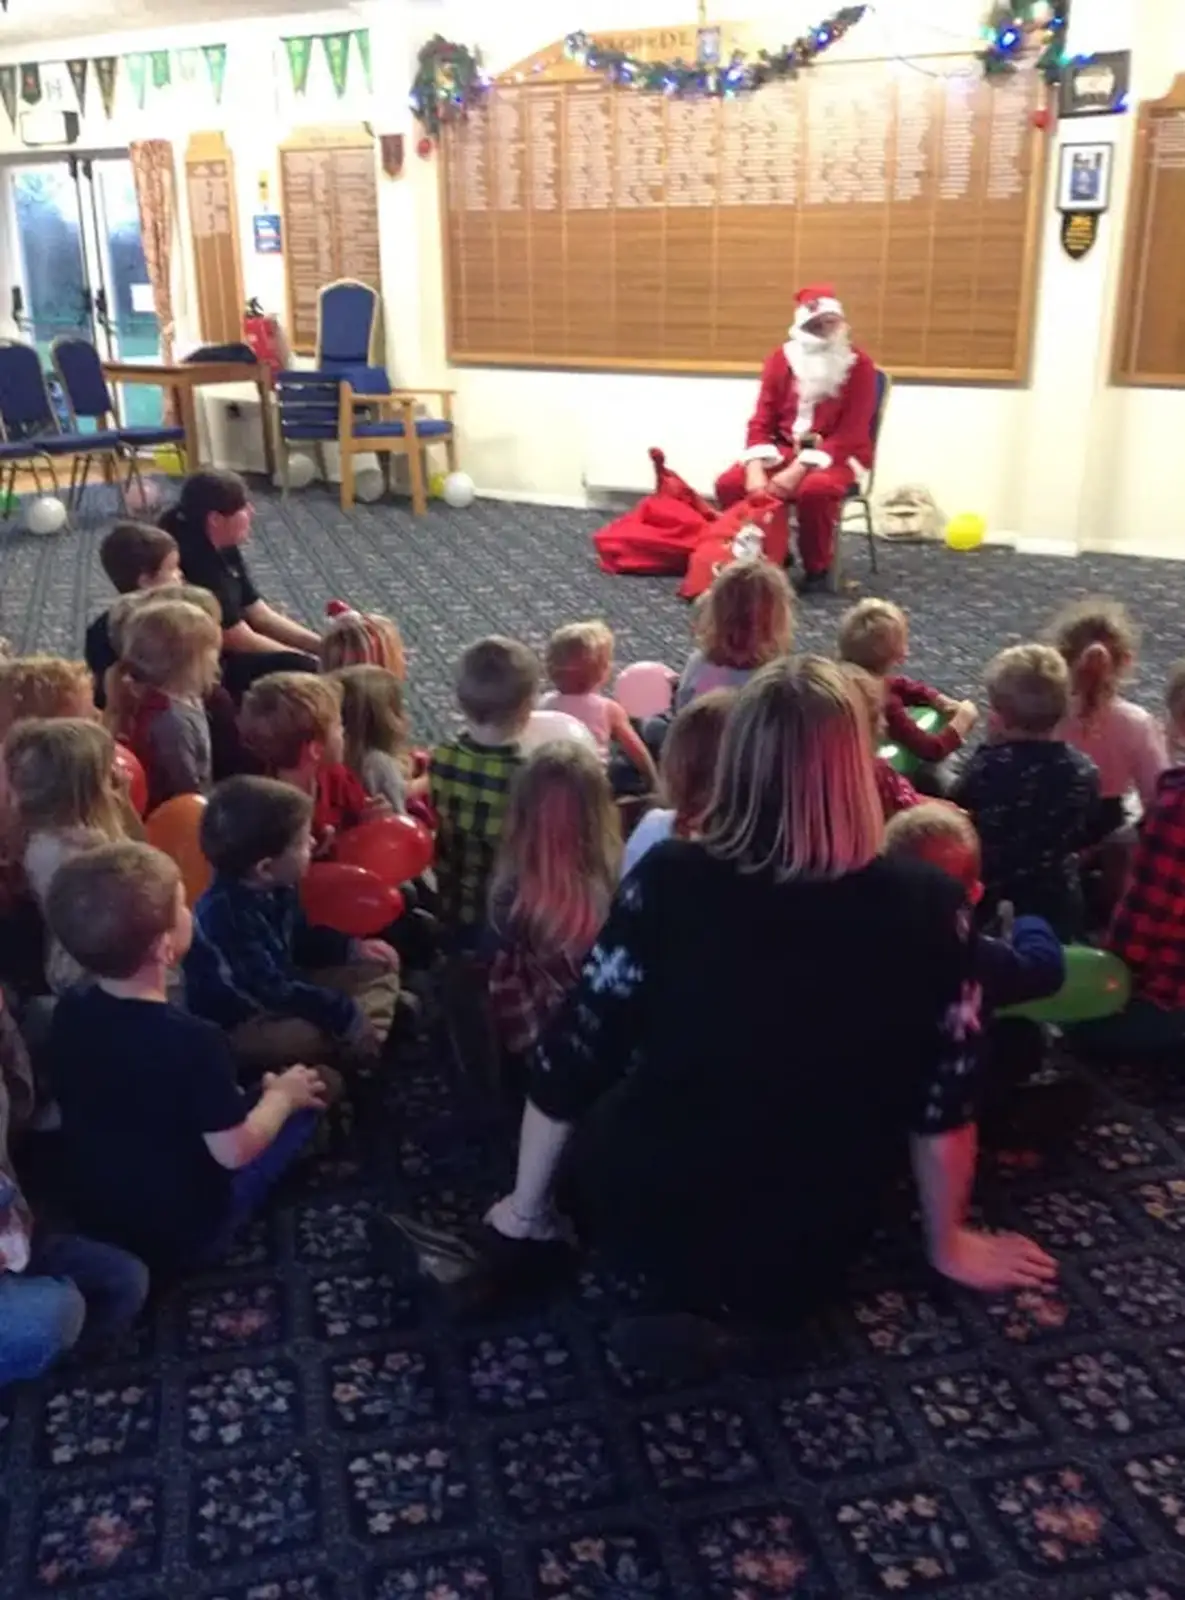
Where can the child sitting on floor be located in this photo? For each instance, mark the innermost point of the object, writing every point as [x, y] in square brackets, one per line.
[138, 558]
[284, 991]
[875, 635]
[894, 788]
[1098, 640]
[164, 1152]
[470, 775]
[43, 686]
[168, 664]
[228, 757]
[375, 730]
[292, 723]
[580, 664]
[1034, 799]
[555, 875]
[745, 621]
[60, 782]
[56, 1289]
[687, 775]
[361, 639]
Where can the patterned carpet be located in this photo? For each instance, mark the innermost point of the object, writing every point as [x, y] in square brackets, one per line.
[305, 1425]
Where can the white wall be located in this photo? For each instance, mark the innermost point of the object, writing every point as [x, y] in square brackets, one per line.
[1067, 461]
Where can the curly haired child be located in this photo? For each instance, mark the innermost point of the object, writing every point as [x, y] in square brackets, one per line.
[580, 663]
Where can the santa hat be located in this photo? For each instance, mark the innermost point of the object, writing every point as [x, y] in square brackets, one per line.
[816, 300]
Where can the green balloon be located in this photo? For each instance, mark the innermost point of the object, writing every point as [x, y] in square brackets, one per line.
[1097, 985]
[902, 760]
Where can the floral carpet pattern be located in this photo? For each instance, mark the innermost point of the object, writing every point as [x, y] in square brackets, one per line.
[306, 1423]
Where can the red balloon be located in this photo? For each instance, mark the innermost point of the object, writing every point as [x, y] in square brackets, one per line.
[128, 768]
[348, 899]
[395, 849]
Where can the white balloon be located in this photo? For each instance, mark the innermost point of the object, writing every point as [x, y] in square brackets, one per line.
[369, 485]
[550, 727]
[302, 470]
[46, 515]
[459, 490]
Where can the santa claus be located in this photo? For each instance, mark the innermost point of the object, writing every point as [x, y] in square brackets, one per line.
[811, 430]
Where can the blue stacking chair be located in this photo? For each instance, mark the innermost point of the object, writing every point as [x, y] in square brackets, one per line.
[28, 418]
[88, 396]
[859, 496]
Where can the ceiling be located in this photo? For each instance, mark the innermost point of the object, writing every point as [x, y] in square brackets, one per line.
[45, 22]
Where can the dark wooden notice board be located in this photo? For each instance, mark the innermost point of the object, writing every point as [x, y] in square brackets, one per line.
[592, 226]
[329, 200]
[1150, 332]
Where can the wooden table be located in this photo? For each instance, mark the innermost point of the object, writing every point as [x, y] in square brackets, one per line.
[185, 378]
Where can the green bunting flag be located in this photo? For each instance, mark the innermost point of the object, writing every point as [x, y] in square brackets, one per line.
[106, 68]
[30, 82]
[337, 54]
[8, 91]
[162, 72]
[136, 67]
[300, 53]
[215, 55]
[77, 71]
[363, 38]
[188, 62]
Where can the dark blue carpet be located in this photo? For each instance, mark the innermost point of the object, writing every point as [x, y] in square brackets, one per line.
[305, 1426]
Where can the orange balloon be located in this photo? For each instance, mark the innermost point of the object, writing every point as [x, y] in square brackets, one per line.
[348, 899]
[176, 828]
[131, 773]
[395, 849]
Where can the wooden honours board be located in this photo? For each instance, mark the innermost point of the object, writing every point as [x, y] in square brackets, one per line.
[329, 197]
[214, 226]
[1150, 337]
[587, 225]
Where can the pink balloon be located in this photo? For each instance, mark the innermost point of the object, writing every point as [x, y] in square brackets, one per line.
[554, 727]
[645, 689]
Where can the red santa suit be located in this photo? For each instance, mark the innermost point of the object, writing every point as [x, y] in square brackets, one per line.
[817, 405]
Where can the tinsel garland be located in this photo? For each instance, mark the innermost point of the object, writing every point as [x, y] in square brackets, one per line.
[740, 74]
[1010, 30]
[449, 80]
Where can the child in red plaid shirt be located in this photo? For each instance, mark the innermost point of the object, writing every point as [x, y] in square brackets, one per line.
[1148, 933]
[875, 635]
[555, 875]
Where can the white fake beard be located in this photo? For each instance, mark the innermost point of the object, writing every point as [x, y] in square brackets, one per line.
[820, 366]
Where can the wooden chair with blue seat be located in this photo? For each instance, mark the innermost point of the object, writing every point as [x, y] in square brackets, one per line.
[373, 417]
[28, 419]
[79, 370]
[859, 496]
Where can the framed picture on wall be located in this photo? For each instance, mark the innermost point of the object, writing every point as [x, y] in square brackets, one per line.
[1084, 177]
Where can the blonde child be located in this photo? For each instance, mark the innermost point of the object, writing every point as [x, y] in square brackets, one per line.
[687, 773]
[357, 638]
[874, 634]
[555, 875]
[43, 686]
[1098, 640]
[745, 621]
[896, 792]
[168, 665]
[292, 722]
[375, 729]
[65, 799]
[580, 664]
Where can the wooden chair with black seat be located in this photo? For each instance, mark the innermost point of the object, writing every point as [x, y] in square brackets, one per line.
[374, 418]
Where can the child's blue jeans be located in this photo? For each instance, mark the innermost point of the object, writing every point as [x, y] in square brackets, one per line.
[70, 1282]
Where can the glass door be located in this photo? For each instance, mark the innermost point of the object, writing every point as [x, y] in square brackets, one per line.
[79, 264]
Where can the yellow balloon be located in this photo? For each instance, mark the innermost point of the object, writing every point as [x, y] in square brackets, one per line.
[966, 531]
[436, 485]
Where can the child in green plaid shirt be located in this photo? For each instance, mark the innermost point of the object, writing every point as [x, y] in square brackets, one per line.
[470, 776]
